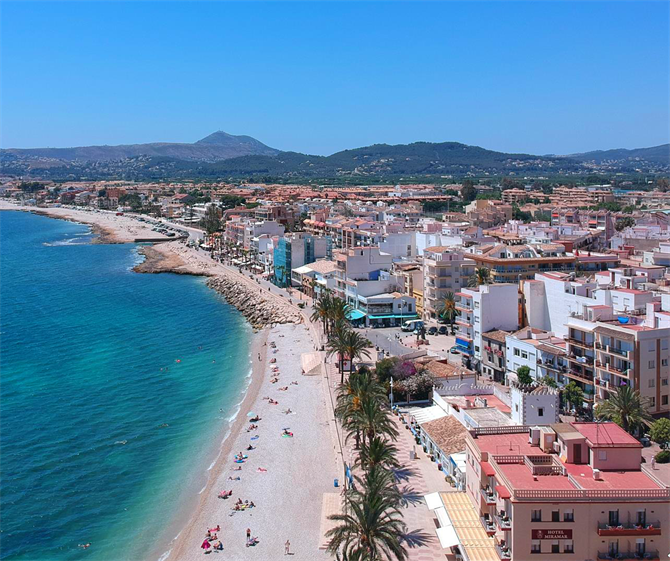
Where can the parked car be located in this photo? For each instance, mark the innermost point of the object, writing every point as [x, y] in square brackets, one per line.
[432, 330]
[443, 330]
[411, 325]
[454, 350]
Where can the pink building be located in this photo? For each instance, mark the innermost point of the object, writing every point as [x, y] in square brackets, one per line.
[567, 491]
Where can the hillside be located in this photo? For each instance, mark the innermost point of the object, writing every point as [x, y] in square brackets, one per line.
[655, 154]
[216, 146]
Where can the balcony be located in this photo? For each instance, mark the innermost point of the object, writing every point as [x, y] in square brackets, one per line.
[651, 555]
[617, 352]
[504, 525]
[578, 375]
[583, 360]
[579, 343]
[503, 552]
[652, 529]
[488, 524]
[489, 496]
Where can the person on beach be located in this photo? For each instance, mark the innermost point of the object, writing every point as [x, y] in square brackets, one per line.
[287, 548]
[248, 536]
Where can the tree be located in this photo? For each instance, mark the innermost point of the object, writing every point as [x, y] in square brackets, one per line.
[662, 184]
[482, 275]
[660, 432]
[549, 381]
[449, 312]
[356, 347]
[132, 200]
[623, 223]
[337, 345]
[468, 191]
[384, 368]
[211, 222]
[626, 407]
[523, 375]
[371, 528]
[573, 395]
[377, 452]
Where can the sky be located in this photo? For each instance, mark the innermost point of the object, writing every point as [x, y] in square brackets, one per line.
[317, 77]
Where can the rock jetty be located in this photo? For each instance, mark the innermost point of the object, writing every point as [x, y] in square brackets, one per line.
[258, 308]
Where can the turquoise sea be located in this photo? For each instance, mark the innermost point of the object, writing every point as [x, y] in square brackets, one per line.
[116, 390]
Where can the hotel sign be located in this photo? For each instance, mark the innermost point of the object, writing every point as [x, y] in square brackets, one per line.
[551, 534]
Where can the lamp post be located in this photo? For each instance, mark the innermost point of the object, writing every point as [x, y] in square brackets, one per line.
[391, 395]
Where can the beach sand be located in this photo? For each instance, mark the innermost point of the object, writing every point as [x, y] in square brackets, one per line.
[288, 496]
[110, 227]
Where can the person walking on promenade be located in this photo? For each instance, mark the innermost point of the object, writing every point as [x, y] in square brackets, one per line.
[287, 548]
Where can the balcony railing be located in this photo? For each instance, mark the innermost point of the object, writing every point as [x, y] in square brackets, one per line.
[503, 552]
[650, 555]
[652, 529]
[489, 525]
[489, 496]
[504, 525]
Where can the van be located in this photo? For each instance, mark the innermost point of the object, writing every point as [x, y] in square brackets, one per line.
[411, 325]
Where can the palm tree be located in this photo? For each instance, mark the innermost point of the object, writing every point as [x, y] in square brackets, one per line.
[322, 311]
[482, 275]
[378, 452]
[372, 528]
[337, 345]
[356, 346]
[626, 407]
[338, 310]
[449, 311]
[573, 395]
[370, 419]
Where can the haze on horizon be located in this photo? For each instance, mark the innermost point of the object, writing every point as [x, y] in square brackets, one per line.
[549, 77]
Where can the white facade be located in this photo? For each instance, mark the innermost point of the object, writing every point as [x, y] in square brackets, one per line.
[534, 405]
[495, 306]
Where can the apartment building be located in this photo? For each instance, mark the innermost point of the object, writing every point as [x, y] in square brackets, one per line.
[513, 263]
[487, 307]
[444, 270]
[542, 352]
[493, 362]
[293, 251]
[567, 491]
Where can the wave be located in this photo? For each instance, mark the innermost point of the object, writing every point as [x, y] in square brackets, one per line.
[69, 241]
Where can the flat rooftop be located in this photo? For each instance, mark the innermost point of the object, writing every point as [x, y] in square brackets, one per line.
[520, 476]
[616, 480]
[515, 444]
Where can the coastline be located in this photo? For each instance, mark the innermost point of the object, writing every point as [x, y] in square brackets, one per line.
[301, 470]
[187, 514]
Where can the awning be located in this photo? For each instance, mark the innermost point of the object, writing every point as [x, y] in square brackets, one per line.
[424, 414]
[488, 469]
[395, 316]
[502, 491]
[353, 315]
[462, 343]
[433, 501]
[447, 536]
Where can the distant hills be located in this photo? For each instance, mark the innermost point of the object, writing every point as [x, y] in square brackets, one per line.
[224, 156]
[216, 146]
[659, 154]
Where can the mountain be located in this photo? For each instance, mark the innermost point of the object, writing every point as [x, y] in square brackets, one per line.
[655, 154]
[224, 156]
[216, 146]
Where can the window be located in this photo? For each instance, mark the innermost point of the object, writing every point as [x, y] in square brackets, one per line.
[516, 407]
[516, 352]
[568, 546]
[535, 546]
[652, 402]
[602, 455]
[664, 400]
[664, 382]
[568, 515]
[664, 362]
[555, 547]
[652, 383]
[536, 515]
[540, 411]
[652, 364]
[524, 354]
[555, 516]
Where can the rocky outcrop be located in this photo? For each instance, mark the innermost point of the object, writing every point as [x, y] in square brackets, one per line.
[258, 308]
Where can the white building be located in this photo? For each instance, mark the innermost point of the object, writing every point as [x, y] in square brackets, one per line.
[444, 270]
[534, 405]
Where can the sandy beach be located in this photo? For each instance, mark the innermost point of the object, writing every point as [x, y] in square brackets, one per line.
[300, 469]
[110, 227]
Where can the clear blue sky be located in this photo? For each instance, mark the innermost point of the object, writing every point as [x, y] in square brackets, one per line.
[317, 77]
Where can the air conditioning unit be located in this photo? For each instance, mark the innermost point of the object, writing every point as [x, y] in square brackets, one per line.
[534, 436]
[557, 447]
[597, 475]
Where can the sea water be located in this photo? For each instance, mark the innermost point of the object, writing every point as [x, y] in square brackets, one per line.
[115, 388]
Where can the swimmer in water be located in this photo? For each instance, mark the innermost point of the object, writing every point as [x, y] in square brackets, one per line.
[84, 545]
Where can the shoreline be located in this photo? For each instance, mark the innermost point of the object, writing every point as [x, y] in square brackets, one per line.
[186, 516]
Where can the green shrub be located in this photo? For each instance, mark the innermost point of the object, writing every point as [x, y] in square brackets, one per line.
[663, 457]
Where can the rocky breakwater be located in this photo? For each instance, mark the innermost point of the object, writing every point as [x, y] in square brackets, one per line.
[258, 308]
